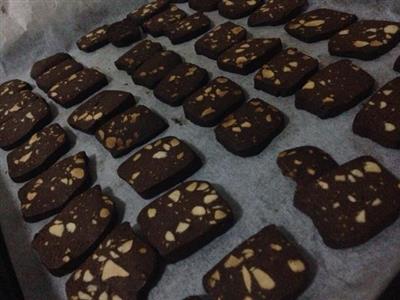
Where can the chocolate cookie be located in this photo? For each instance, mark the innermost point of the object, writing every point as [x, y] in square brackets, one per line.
[236, 9]
[120, 268]
[11, 87]
[159, 166]
[99, 109]
[352, 203]
[318, 24]
[265, 266]
[180, 83]
[304, 164]
[123, 33]
[94, 40]
[220, 39]
[152, 71]
[379, 119]
[188, 28]
[146, 11]
[367, 39]
[58, 73]
[249, 55]
[204, 5]
[49, 192]
[130, 129]
[185, 219]
[276, 12]
[214, 101]
[139, 53]
[164, 21]
[335, 89]
[285, 73]
[67, 240]
[77, 87]
[396, 66]
[250, 129]
[41, 66]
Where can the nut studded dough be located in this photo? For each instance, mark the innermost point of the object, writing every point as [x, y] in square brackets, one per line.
[185, 219]
[94, 40]
[12, 87]
[44, 64]
[236, 9]
[120, 268]
[162, 22]
[352, 203]
[265, 266]
[146, 11]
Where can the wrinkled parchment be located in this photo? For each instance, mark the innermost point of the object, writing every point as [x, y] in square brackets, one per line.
[33, 29]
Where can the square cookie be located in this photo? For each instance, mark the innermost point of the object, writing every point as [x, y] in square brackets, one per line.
[188, 28]
[162, 22]
[95, 39]
[236, 9]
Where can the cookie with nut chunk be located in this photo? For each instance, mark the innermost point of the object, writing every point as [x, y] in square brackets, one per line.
[266, 266]
[44, 64]
[351, 204]
[236, 9]
[130, 129]
[286, 72]
[251, 128]
[335, 89]
[204, 5]
[49, 192]
[93, 40]
[319, 24]
[99, 109]
[38, 153]
[220, 39]
[162, 22]
[366, 39]
[120, 268]
[188, 28]
[12, 87]
[249, 55]
[159, 166]
[214, 101]
[185, 219]
[68, 239]
[146, 11]
[379, 119]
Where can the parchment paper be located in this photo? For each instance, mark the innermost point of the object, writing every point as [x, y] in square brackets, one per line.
[33, 29]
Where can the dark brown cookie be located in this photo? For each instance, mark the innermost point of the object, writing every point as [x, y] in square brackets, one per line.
[123, 33]
[366, 39]
[335, 89]
[220, 39]
[94, 40]
[77, 87]
[38, 153]
[188, 28]
[204, 5]
[236, 9]
[180, 83]
[249, 55]
[214, 101]
[136, 56]
[120, 268]
[146, 11]
[352, 203]
[318, 24]
[162, 22]
[185, 219]
[265, 266]
[49, 192]
[285, 73]
[159, 166]
[152, 71]
[304, 164]
[276, 12]
[130, 129]
[67, 240]
[396, 66]
[41, 66]
[250, 129]
[99, 109]
[12, 87]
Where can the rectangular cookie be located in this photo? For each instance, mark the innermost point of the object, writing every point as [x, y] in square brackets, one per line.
[11, 105]
[123, 33]
[251, 128]
[162, 22]
[352, 203]
[249, 55]
[58, 73]
[182, 81]
[204, 5]
[207, 106]
[67, 240]
[77, 87]
[130, 129]
[93, 40]
[136, 56]
[285, 73]
[220, 39]
[266, 266]
[12, 87]
[236, 9]
[120, 268]
[38, 153]
[335, 89]
[188, 28]
[159, 166]
[44, 64]
[99, 109]
[146, 11]
[49, 192]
